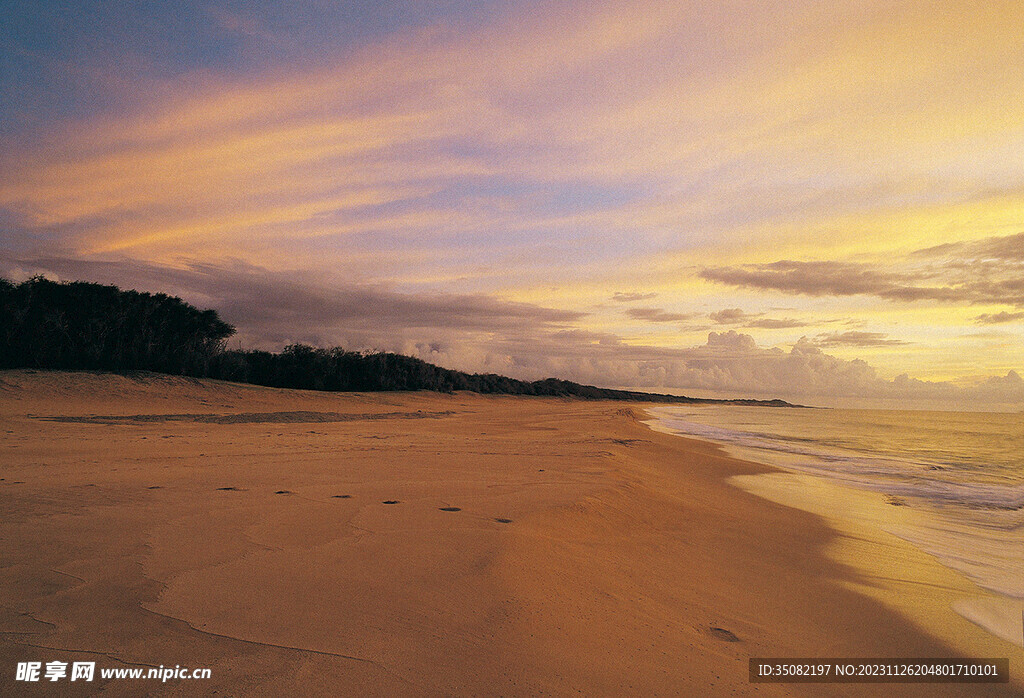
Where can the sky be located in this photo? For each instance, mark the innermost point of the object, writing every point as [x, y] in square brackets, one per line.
[815, 201]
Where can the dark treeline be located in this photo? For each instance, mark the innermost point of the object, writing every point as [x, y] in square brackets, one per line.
[79, 325]
[311, 368]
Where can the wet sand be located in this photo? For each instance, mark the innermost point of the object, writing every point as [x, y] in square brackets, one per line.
[302, 543]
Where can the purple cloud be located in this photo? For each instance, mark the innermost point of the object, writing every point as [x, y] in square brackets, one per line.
[986, 271]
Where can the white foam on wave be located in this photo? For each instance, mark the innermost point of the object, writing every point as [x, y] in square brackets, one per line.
[968, 520]
[926, 481]
[1001, 616]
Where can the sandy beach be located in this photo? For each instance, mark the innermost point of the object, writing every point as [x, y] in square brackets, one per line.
[301, 543]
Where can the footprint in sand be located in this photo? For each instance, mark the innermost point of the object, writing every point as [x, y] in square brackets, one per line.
[391, 501]
[449, 509]
[723, 634]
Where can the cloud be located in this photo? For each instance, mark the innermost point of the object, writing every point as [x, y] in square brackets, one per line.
[997, 318]
[422, 136]
[823, 278]
[733, 363]
[439, 140]
[855, 339]
[1008, 248]
[656, 315]
[622, 297]
[274, 308]
[732, 342]
[729, 315]
[476, 332]
[986, 271]
[736, 316]
[774, 324]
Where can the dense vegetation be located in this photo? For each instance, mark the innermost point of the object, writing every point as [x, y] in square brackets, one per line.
[78, 325]
[300, 366]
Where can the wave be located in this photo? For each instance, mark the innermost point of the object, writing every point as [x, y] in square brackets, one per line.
[971, 514]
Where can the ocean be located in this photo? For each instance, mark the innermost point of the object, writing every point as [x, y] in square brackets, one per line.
[960, 473]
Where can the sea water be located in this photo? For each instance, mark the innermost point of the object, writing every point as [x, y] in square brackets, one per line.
[962, 471]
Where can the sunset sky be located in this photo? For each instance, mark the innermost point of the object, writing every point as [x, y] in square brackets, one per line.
[804, 199]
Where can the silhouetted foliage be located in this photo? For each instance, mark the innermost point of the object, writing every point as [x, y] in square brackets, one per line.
[44, 324]
[78, 325]
[312, 368]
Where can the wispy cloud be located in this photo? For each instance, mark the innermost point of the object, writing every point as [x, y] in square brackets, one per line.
[987, 271]
[998, 318]
[855, 339]
[824, 278]
[736, 316]
[274, 308]
[1008, 248]
[656, 315]
[631, 296]
[774, 324]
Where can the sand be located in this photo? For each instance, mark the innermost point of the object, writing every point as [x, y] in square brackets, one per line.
[301, 543]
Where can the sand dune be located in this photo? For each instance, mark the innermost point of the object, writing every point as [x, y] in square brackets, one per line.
[304, 543]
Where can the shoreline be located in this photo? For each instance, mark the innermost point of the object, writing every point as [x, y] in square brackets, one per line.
[902, 576]
[877, 538]
[534, 545]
